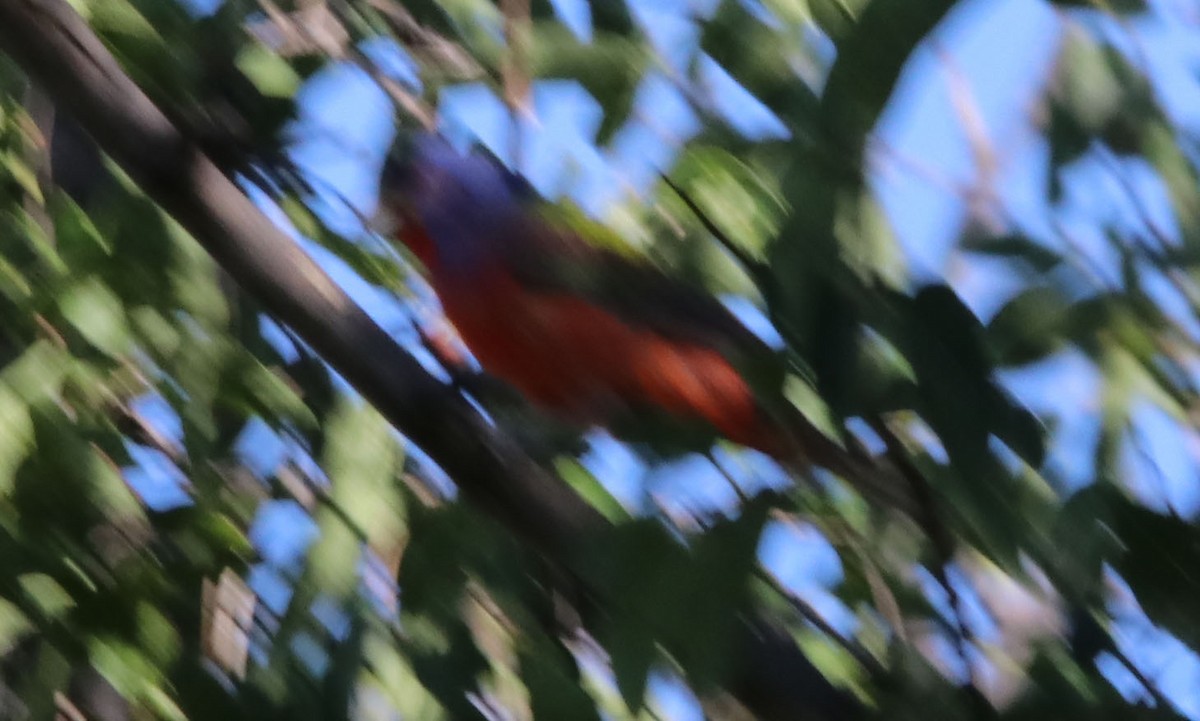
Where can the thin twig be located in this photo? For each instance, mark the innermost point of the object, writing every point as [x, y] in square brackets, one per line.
[943, 544]
[798, 604]
[307, 30]
[982, 197]
[737, 489]
[810, 614]
[843, 535]
[754, 267]
[883, 153]
[1080, 258]
[322, 27]
[1139, 207]
[406, 101]
[1164, 241]
[515, 70]
[448, 56]
[1160, 699]
[1162, 483]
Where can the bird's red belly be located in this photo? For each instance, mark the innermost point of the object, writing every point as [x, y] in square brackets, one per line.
[582, 361]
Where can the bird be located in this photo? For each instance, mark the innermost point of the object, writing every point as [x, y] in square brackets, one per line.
[593, 336]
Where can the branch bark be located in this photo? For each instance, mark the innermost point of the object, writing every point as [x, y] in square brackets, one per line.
[57, 48]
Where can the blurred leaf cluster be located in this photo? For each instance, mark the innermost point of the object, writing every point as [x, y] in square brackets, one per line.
[200, 520]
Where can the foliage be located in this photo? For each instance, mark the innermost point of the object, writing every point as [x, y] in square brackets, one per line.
[196, 510]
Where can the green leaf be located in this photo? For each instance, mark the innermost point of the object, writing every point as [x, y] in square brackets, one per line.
[51, 672]
[45, 594]
[22, 225]
[1124, 7]
[590, 489]
[792, 12]
[1160, 562]
[13, 283]
[864, 236]
[20, 173]
[394, 676]
[954, 365]
[378, 268]
[1161, 146]
[609, 16]
[156, 331]
[1017, 247]
[362, 459]
[610, 68]
[632, 652]
[13, 625]
[686, 600]
[868, 65]
[98, 315]
[345, 668]
[156, 634]
[267, 392]
[553, 694]
[1079, 526]
[448, 663]
[724, 561]
[271, 74]
[917, 688]
[1088, 86]
[37, 374]
[1029, 327]
[122, 665]
[17, 440]
[162, 705]
[75, 233]
[1068, 141]
[963, 405]
[763, 60]
[334, 559]
[166, 70]
[740, 199]
[445, 544]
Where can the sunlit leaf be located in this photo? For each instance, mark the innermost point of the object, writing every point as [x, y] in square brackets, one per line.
[98, 315]
[271, 74]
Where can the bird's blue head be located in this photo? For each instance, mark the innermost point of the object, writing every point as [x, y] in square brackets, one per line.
[460, 199]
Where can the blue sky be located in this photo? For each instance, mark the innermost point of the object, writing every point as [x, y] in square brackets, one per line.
[346, 124]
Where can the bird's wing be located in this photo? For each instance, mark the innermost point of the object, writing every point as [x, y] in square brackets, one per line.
[556, 257]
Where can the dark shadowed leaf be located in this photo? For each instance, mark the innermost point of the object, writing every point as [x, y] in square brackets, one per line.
[1160, 561]
[553, 693]
[868, 64]
[1016, 247]
[1120, 6]
[1029, 327]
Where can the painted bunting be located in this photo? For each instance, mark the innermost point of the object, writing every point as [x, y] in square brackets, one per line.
[590, 334]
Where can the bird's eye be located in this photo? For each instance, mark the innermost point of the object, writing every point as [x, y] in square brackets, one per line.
[518, 185]
[396, 173]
